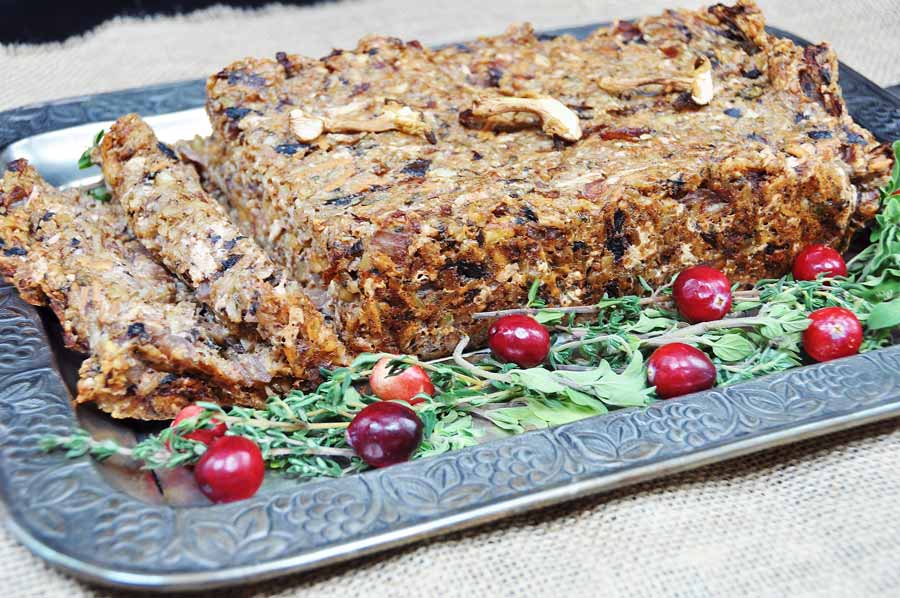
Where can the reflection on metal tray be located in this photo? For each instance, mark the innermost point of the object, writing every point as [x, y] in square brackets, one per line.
[116, 526]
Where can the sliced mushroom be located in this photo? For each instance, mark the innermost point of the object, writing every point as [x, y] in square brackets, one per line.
[556, 118]
[700, 83]
[395, 117]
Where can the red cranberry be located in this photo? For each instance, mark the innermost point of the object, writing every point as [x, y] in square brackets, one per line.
[205, 435]
[519, 339]
[385, 433]
[677, 369]
[702, 294]
[400, 387]
[834, 332]
[818, 259]
[231, 469]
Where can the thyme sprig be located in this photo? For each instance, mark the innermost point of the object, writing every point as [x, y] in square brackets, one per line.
[87, 159]
[99, 192]
[596, 364]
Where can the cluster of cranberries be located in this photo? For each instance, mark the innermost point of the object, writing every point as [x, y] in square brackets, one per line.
[834, 331]
[384, 433]
[389, 431]
[701, 294]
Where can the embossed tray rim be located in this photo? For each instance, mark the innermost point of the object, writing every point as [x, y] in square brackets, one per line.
[873, 394]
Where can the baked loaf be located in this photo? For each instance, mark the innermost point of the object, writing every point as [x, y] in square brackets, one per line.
[409, 188]
[152, 347]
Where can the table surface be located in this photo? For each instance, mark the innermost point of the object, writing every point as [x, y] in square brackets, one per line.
[813, 519]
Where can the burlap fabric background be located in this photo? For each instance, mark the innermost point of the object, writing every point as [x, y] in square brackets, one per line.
[817, 519]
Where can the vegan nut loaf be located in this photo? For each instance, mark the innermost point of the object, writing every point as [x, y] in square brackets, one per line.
[409, 188]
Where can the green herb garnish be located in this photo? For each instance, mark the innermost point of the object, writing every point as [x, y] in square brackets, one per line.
[85, 161]
[100, 193]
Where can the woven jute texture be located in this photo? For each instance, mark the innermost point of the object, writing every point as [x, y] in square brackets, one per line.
[815, 519]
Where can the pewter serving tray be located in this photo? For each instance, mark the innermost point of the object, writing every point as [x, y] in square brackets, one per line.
[113, 524]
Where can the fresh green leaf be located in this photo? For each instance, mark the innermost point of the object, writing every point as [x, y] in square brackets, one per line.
[627, 389]
[587, 377]
[733, 347]
[549, 316]
[623, 390]
[352, 396]
[556, 413]
[365, 361]
[884, 315]
[533, 291]
[586, 400]
[85, 161]
[515, 419]
[648, 324]
[537, 379]
[101, 194]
